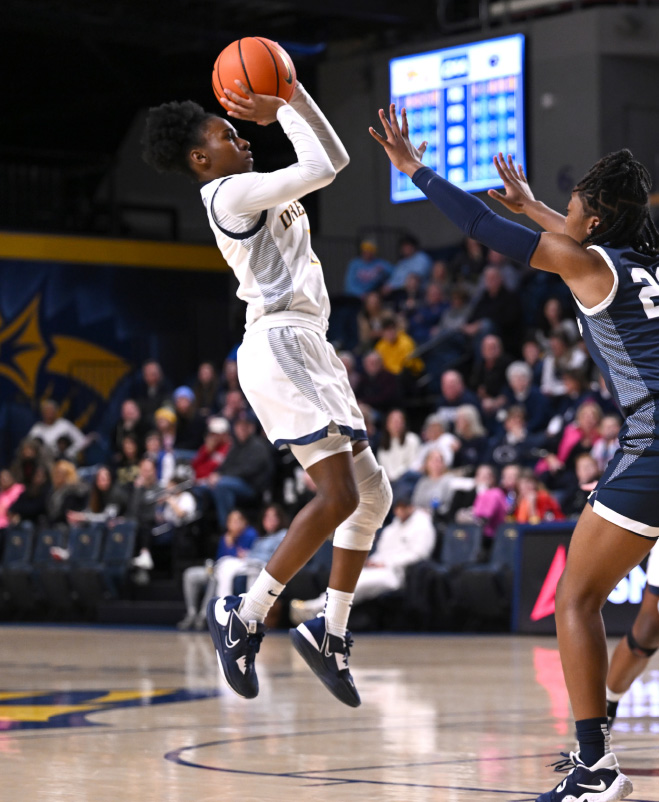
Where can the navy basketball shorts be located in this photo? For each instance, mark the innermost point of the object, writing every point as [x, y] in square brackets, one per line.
[628, 492]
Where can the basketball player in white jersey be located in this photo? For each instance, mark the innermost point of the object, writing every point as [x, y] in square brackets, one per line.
[288, 371]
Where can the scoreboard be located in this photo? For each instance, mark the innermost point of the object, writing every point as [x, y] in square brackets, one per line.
[467, 102]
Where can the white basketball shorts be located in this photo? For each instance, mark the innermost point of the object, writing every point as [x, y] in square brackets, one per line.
[299, 390]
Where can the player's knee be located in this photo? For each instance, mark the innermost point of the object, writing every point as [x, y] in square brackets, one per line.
[357, 532]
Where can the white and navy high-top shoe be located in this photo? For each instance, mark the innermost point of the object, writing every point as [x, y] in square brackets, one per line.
[327, 656]
[236, 644]
[602, 782]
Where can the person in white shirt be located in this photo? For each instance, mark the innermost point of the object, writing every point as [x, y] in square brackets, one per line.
[436, 438]
[408, 539]
[51, 428]
[289, 373]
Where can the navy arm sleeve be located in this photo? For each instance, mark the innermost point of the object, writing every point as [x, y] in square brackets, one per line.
[476, 219]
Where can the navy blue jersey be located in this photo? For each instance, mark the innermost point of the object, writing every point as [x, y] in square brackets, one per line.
[622, 332]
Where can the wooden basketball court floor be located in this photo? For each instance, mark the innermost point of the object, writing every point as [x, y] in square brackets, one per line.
[127, 715]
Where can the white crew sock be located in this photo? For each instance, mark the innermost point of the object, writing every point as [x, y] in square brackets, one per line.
[337, 611]
[260, 598]
[611, 696]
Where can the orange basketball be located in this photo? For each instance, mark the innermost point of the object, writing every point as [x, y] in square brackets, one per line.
[261, 64]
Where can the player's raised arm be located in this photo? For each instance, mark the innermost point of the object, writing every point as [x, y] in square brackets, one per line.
[556, 253]
[519, 198]
[307, 107]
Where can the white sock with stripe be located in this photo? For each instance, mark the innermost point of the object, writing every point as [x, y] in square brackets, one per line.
[337, 611]
[260, 598]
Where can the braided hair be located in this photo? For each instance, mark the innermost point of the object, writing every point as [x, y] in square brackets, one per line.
[171, 131]
[616, 189]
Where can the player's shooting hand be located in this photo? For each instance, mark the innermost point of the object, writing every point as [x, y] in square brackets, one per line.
[261, 109]
[396, 142]
[517, 189]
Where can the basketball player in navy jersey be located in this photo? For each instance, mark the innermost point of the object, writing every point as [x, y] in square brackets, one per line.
[605, 249]
[289, 373]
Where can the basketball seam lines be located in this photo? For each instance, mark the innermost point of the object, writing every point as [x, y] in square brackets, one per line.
[274, 61]
[240, 53]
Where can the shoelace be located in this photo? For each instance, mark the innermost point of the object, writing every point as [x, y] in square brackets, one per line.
[566, 764]
[348, 641]
[253, 646]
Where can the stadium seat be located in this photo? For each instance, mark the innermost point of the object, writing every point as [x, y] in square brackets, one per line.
[484, 592]
[428, 583]
[55, 577]
[22, 565]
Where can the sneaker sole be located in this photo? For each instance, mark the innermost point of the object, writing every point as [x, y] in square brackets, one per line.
[619, 789]
[311, 657]
[216, 637]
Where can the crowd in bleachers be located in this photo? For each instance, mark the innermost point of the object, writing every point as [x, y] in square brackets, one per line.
[480, 400]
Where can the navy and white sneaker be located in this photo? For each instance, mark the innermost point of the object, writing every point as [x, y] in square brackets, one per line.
[602, 782]
[236, 644]
[327, 656]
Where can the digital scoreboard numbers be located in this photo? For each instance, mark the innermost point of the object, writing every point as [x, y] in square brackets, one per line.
[467, 102]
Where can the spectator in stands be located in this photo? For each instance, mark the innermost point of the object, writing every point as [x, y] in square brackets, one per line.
[522, 392]
[489, 507]
[497, 310]
[206, 389]
[560, 357]
[509, 482]
[576, 393]
[554, 319]
[488, 377]
[453, 395]
[143, 507]
[52, 427]
[127, 466]
[467, 265]
[31, 455]
[377, 387]
[130, 423]
[177, 506]
[535, 504]
[67, 492]
[472, 435]
[163, 458]
[106, 500]
[578, 438]
[190, 426]
[229, 384]
[30, 506]
[532, 355]
[200, 580]
[515, 444]
[411, 296]
[396, 349]
[234, 405]
[423, 319]
[440, 275]
[165, 419]
[587, 475]
[370, 419]
[210, 457]
[398, 446]
[366, 272]
[369, 321]
[511, 273]
[10, 490]
[247, 471]
[436, 438]
[434, 490]
[604, 448]
[408, 539]
[152, 390]
[350, 364]
[249, 565]
[411, 259]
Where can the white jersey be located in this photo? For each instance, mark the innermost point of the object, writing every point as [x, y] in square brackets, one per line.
[262, 229]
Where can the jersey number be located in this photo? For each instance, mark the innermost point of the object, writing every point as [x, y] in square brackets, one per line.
[648, 293]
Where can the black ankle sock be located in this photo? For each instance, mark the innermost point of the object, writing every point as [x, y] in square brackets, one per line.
[593, 737]
[611, 709]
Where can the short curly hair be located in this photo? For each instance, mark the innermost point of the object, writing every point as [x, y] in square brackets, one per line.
[171, 131]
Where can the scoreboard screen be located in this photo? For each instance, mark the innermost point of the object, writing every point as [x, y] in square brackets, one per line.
[467, 102]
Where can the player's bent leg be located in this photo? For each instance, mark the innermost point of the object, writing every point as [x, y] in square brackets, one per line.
[324, 642]
[633, 652]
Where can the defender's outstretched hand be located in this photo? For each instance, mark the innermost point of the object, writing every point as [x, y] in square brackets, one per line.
[261, 109]
[518, 191]
[396, 142]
